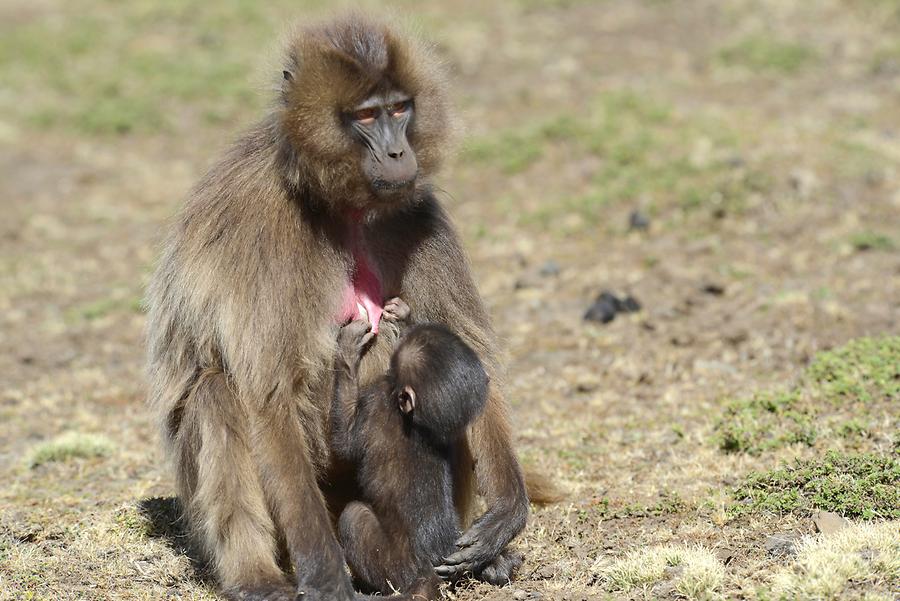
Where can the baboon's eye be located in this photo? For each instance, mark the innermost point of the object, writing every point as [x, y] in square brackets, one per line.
[398, 108]
[366, 116]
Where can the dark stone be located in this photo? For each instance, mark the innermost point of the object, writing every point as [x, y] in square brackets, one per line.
[607, 304]
[782, 544]
[714, 289]
[549, 268]
[603, 309]
[629, 305]
[638, 221]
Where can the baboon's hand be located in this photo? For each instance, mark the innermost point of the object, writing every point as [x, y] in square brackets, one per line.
[483, 543]
[396, 310]
[352, 341]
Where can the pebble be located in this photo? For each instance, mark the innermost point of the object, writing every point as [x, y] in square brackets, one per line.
[638, 221]
[549, 268]
[782, 544]
[714, 289]
[827, 522]
[603, 309]
[607, 304]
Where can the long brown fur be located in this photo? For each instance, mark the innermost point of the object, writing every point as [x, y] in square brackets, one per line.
[241, 316]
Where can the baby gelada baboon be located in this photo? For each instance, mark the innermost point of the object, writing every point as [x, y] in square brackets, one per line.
[401, 431]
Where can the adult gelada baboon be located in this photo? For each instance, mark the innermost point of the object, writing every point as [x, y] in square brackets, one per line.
[316, 215]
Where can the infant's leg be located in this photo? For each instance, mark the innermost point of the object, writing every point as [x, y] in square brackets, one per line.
[377, 561]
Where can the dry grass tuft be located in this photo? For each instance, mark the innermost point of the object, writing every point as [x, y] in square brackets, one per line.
[71, 445]
[828, 567]
[694, 571]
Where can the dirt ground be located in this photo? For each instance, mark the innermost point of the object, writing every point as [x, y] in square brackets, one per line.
[760, 140]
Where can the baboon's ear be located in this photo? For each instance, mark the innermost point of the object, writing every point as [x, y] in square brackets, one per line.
[287, 84]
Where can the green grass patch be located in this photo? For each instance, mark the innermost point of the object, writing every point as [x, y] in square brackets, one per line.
[839, 394]
[643, 151]
[602, 508]
[105, 306]
[511, 151]
[872, 241]
[72, 445]
[766, 54]
[864, 485]
[102, 67]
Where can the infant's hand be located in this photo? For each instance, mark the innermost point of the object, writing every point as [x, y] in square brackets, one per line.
[352, 341]
[395, 310]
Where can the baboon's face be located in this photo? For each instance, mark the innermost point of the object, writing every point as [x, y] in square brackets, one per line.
[379, 126]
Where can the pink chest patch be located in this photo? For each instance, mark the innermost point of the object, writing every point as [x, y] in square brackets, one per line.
[362, 297]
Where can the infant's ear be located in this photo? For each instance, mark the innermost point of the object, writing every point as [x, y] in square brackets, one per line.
[407, 399]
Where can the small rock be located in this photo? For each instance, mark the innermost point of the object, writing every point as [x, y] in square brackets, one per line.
[588, 382]
[674, 572]
[682, 340]
[638, 221]
[664, 589]
[714, 289]
[868, 554]
[874, 178]
[629, 305]
[725, 555]
[524, 283]
[827, 522]
[544, 572]
[520, 595]
[783, 544]
[549, 268]
[735, 160]
[608, 304]
[804, 182]
[604, 308]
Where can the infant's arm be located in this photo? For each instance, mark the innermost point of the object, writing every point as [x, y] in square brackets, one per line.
[352, 340]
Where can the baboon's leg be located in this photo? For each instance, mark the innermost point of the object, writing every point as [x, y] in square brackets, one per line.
[289, 481]
[217, 482]
[377, 561]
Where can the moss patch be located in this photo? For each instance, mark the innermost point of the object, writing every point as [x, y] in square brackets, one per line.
[866, 369]
[847, 392]
[765, 421]
[862, 485]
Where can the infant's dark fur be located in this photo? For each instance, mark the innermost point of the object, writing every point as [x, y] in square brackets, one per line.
[401, 432]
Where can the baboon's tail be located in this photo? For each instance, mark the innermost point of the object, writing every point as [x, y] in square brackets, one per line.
[541, 489]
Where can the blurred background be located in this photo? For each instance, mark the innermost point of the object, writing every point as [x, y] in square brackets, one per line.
[726, 172]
